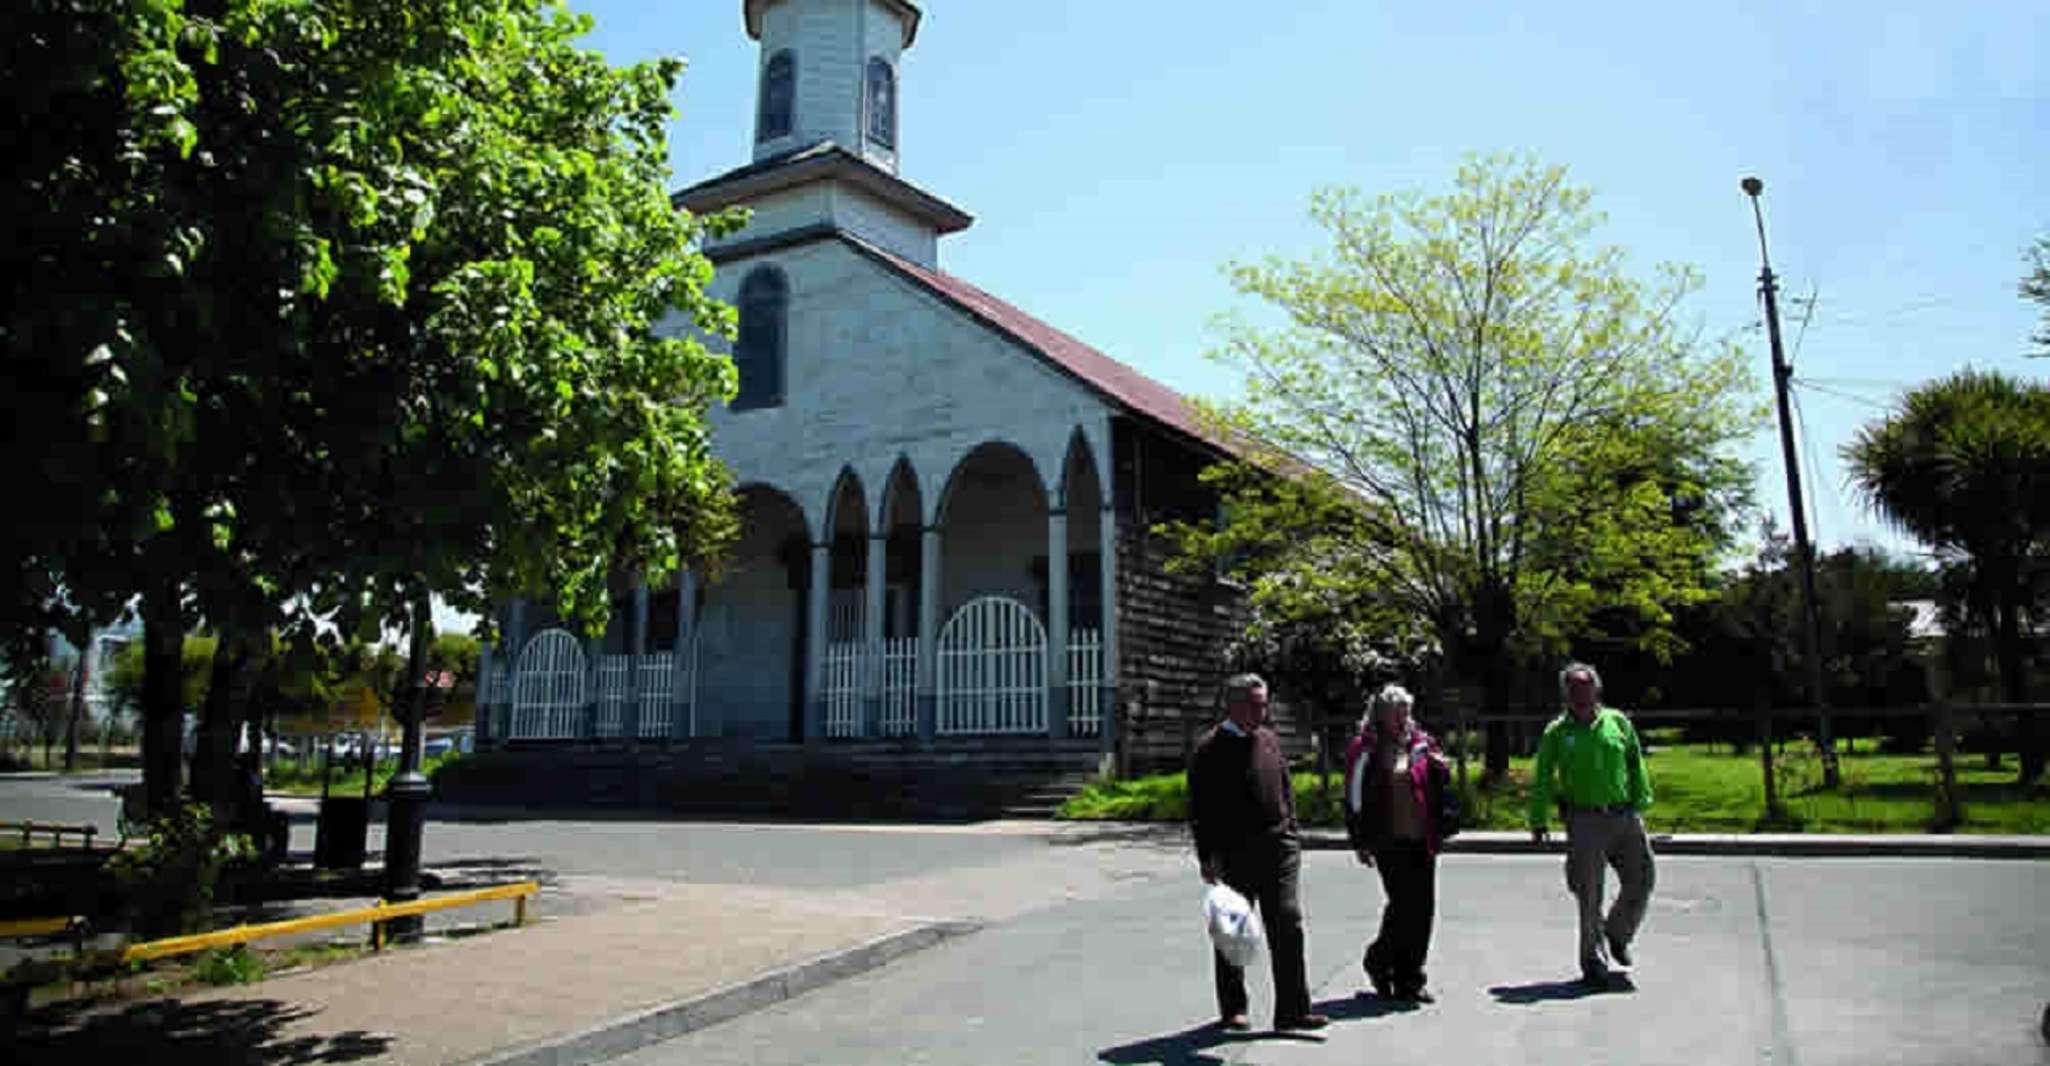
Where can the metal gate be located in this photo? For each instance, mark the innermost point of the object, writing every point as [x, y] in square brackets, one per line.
[548, 694]
[992, 667]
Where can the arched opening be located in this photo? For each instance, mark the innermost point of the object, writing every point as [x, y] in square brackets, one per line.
[840, 678]
[882, 102]
[1083, 498]
[751, 628]
[778, 99]
[902, 523]
[993, 516]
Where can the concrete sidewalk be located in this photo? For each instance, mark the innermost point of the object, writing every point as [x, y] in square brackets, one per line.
[654, 960]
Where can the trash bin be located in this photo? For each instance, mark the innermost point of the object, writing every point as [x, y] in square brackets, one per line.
[341, 837]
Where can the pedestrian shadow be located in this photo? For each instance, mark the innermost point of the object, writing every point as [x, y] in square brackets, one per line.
[1364, 1006]
[174, 1033]
[1176, 1049]
[1552, 991]
[1189, 1045]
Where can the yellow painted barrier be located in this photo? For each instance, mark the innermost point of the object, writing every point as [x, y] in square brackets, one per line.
[34, 927]
[375, 915]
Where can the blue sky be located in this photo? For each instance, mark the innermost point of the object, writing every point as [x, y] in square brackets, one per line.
[1116, 152]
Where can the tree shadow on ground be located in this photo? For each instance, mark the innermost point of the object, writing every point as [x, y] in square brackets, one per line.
[175, 1033]
[1971, 792]
[1552, 991]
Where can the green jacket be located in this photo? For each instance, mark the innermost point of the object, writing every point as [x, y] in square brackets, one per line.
[1595, 765]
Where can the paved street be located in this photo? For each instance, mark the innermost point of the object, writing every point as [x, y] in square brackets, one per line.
[1857, 961]
[1092, 948]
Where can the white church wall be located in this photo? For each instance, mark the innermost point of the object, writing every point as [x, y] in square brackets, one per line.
[787, 209]
[884, 226]
[822, 33]
[878, 368]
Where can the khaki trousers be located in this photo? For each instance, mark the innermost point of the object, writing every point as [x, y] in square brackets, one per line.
[1596, 840]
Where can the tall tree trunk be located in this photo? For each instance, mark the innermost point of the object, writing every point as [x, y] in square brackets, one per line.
[163, 699]
[1492, 621]
[213, 761]
[81, 671]
[2014, 680]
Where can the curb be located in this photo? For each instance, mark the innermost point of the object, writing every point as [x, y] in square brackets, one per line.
[1775, 845]
[667, 1021]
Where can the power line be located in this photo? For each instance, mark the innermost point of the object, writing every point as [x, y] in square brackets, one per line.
[1814, 469]
[1809, 383]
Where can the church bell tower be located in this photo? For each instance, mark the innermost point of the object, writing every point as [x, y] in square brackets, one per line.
[828, 71]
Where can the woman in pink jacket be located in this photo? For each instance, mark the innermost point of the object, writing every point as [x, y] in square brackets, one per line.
[1399, 808]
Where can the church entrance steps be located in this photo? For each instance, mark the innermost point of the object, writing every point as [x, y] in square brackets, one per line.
[861, 780]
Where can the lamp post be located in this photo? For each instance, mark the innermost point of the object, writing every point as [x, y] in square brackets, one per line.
[406, 795]
[1804, 553]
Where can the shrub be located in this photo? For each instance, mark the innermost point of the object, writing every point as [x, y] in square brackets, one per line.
[233, 966]
[170, 878]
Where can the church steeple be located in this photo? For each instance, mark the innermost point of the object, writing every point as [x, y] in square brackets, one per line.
[828, 72]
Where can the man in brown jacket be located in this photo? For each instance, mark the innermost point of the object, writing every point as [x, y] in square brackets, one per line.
[1242, 807]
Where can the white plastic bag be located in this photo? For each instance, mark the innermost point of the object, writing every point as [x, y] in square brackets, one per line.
[1234, 928]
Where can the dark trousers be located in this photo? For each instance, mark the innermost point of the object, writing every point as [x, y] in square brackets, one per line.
[1409, 879]
[1266, 872]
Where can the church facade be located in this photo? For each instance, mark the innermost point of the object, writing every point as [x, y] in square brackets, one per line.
[945, 502]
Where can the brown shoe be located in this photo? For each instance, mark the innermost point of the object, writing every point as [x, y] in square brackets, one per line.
[1236, 1023]
[1303, 1021]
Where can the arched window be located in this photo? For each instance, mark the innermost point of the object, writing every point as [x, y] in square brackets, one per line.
[779, 97]
[882, 102]
[758, 354]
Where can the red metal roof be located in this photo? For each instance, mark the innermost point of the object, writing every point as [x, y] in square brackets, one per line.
[1128, 387]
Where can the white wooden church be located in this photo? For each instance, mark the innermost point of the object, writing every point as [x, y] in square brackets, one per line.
[945, 500]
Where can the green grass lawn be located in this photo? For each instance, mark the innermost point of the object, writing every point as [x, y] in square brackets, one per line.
[1697, 790]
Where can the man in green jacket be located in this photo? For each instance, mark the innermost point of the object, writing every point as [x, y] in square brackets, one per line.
[1591, 762]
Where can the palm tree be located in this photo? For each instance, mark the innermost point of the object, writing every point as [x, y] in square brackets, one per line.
[1964, 467]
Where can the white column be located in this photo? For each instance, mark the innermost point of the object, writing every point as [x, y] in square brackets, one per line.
[1107, 567]
[685, 664]
[1056, 623]
[815, 641]
[872, 634]
[928, 631]
[636, 647]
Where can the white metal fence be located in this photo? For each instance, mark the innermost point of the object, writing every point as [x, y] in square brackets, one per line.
[548, 698]
[657, 692]
[613, 671]
[992, 669]
[990, 659]
[840, 688]
[899, 716]
[1085, 682]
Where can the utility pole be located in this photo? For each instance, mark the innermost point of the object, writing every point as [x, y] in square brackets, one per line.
[1804, 552]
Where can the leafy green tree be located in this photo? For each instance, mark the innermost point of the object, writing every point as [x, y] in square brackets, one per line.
[326, 306]
[1524, 433]
[2035, 287]
[1964, 467]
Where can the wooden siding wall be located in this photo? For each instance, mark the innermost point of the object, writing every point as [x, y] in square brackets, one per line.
[1173, 629]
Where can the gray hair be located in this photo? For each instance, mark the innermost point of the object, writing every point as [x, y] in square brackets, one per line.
[1238, 685]
[1577, 667]
[1391, 695]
